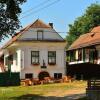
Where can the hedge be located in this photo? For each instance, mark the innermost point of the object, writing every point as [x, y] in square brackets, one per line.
[10, 79]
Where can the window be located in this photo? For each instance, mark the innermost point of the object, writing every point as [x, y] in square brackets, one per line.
[86, 54]
[80, 54]
[57, 75]
[40, 35]
[29, 75]
[6, 60]
[15, 56]
[9, 60]
[34, 57]
[52, 57]
[72, 56]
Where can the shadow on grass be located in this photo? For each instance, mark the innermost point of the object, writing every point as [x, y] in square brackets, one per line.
[39, 97]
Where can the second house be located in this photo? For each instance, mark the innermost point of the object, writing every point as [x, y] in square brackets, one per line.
[37, 51]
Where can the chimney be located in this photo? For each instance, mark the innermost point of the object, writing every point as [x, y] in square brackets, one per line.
[51, 24]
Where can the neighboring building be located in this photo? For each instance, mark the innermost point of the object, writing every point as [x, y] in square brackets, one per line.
[86, 49]
[83, 56]
[36, 51]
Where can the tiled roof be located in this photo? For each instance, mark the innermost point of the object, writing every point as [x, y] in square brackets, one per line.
[37, 24]
[87, 39]
[14, 38]
[40, 24]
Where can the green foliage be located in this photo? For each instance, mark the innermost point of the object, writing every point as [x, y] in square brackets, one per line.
[83, 24]
[9, 13]
[9, 79]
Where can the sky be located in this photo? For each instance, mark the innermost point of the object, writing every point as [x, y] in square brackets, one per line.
[59, 12]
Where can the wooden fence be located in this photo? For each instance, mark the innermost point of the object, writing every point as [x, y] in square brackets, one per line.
[93, 84]
[10, 79]
[93, 90]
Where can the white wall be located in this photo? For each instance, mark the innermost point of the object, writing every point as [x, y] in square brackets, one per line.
[0, 70]
[44, 48]
[48, 34]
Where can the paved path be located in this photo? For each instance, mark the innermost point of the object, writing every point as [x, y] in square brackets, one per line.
[68, 95]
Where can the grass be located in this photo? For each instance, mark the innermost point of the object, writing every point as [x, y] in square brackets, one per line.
[57, 91]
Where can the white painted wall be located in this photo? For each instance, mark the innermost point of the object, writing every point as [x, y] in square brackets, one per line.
[0, 70]
[43, 48]
[48, 34]
[24, 49]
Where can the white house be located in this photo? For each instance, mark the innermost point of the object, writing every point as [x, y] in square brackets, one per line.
[36, 51]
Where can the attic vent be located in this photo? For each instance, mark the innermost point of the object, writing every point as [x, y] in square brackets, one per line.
[92, 34]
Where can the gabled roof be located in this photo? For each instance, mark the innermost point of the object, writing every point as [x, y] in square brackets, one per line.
[15, 37]
[87, 39]
[37, 24]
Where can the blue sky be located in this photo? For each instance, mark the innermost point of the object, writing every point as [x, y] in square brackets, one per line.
[62, 13]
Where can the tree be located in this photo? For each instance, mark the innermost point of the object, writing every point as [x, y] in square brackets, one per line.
[9, 13]
[83, 24]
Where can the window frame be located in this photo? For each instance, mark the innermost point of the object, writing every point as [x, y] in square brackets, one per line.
[38, 35]
[28, 74]
[6, 60]
[58, 75]
[80, 55]
[16, 58]
[35, 63]
[52, 57]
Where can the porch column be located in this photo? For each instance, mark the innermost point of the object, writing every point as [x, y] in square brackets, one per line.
[19, 60]
[83, 54]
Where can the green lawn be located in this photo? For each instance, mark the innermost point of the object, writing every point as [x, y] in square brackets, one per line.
[56, 91]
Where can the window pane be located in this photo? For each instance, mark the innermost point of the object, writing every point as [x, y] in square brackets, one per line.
[59, 75]
[50, 60]
[39, 35]
[52, 57]
[16, 58]
[52, 53]
[29, 75]
[6, 60]
[34, 57]
[35, 53]
[53, 60]
[55, 75]
[36, 60]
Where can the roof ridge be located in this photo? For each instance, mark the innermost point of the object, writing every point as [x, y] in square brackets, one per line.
[40, 24]
[36, 24]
